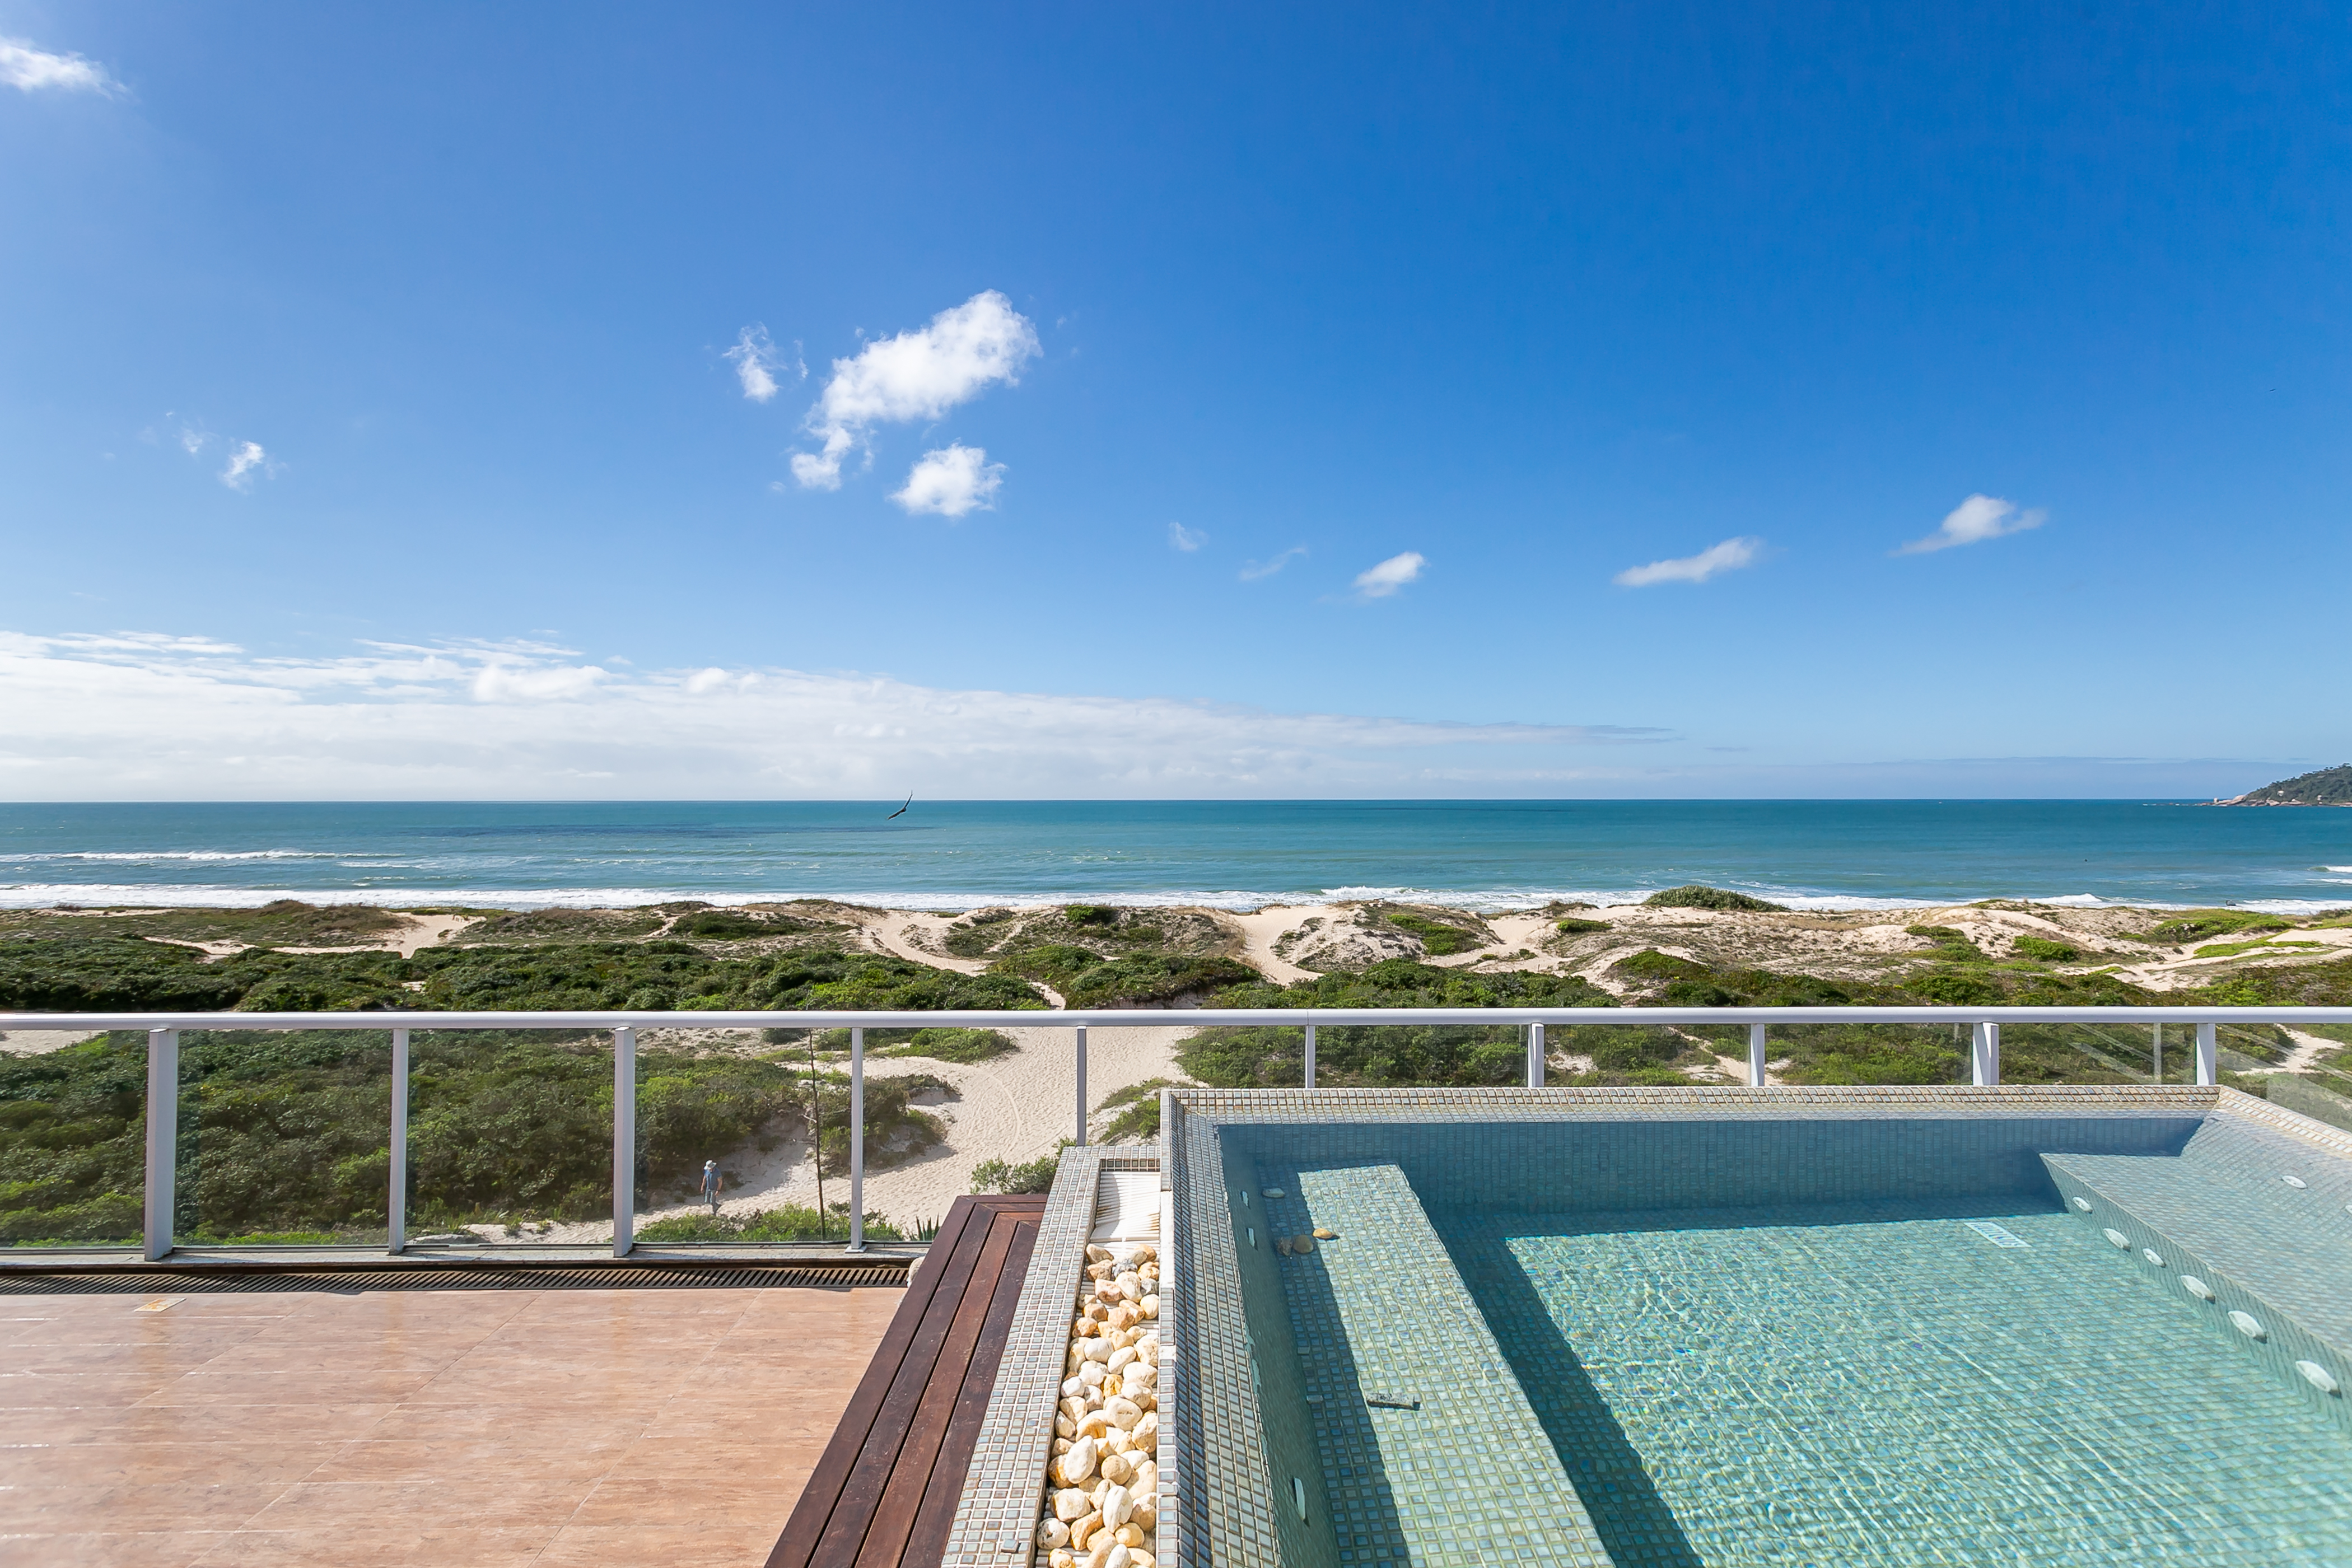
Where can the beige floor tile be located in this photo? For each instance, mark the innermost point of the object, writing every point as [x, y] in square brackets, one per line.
[668, 1545]
[447, 1543]
[380, 1506]
[156, 1464]
[452, 1461]
[234, 1424]
[726, 1497]
[148, 1549]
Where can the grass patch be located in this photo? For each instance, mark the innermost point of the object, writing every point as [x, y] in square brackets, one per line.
[2199, 925]
[1139, 1112]
[1574, 926]
[1952, 944]
[1438, 939]
[2259, 944]
[2045, 949]
[786, 1222]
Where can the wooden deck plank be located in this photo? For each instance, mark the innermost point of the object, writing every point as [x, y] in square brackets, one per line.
[853, 1512]
[893, 1516]
[885, 1492]
[928, 1542]
[806, 1527]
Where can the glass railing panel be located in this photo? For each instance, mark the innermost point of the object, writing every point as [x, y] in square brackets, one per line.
[1830, 1054]
[284, 1138]
[724, 1126]
[73, 1138]
[509, 1137]
[2097, 1053]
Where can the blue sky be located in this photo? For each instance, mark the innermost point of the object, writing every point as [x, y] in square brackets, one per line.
[368, 423]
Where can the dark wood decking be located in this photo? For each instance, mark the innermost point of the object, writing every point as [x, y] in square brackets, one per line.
[884, 1493]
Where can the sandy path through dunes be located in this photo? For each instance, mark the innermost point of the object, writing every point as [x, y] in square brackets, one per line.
[1013, 1107]
[920, 938]
[1259, 930]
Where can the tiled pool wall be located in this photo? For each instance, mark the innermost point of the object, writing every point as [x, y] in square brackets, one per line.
[1280, 1383]
[1237, 1438]
[1597, 1163]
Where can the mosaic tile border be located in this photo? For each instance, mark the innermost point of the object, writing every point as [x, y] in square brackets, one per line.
[996, 1517]
[2279, 1119]
[1229, 1105]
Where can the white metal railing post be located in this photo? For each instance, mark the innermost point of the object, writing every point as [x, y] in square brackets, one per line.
[624, 1140]
[1984, 1055]
[1535, 1055]
[856, 1140]
[395, 1201]
[2208, 1056]
[1756, 1055]
[1082, 1084]
[1310, 1055]
[163, 1137]
[2157, 1075]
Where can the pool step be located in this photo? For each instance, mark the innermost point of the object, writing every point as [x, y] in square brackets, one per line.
[1444, 1457]
[2279, 1261]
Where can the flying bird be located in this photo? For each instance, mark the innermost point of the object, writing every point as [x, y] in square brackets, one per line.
[902, 810]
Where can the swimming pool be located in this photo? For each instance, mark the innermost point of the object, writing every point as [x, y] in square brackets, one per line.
[1668, 1327]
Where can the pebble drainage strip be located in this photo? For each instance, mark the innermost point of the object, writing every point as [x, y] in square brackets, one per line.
[1102, 1496]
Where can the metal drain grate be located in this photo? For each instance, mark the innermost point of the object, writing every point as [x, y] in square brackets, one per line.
[352, 1281]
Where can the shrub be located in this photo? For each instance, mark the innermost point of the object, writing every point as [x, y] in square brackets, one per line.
[1699, 896]
[2047, 950]
[1576, 927]
[1033, 1176]
[1087, 978]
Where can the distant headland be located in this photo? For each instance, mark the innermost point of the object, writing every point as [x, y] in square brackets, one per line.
[2328, 786]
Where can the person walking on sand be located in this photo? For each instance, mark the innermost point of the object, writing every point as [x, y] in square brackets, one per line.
[711, 1182]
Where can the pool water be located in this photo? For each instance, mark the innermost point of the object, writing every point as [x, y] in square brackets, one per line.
[1882, 1382]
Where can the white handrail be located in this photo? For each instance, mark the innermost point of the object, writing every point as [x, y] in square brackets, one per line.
[1167, 1017]
[163, 1030]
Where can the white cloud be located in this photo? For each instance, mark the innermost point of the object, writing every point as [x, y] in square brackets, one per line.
[192, 440]
[244, 460]
[29, 69]
[1253, 570]
[1381, 581]
[1185, 539]
[756, 363]
[505, 681]
[1973, 522]
[952, 482]
[1729, 556]
[150, 716]
[915, 375]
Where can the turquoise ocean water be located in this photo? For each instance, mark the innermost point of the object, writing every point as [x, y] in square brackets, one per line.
[954, 855]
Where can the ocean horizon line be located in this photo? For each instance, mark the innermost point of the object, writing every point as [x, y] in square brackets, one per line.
[1484, 901]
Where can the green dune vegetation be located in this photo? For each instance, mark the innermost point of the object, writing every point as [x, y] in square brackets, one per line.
[284, 1132]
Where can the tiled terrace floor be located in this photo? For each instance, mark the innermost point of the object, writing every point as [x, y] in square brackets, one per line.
[454, 1428]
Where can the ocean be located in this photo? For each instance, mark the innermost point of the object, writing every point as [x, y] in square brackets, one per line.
[1479, 854]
